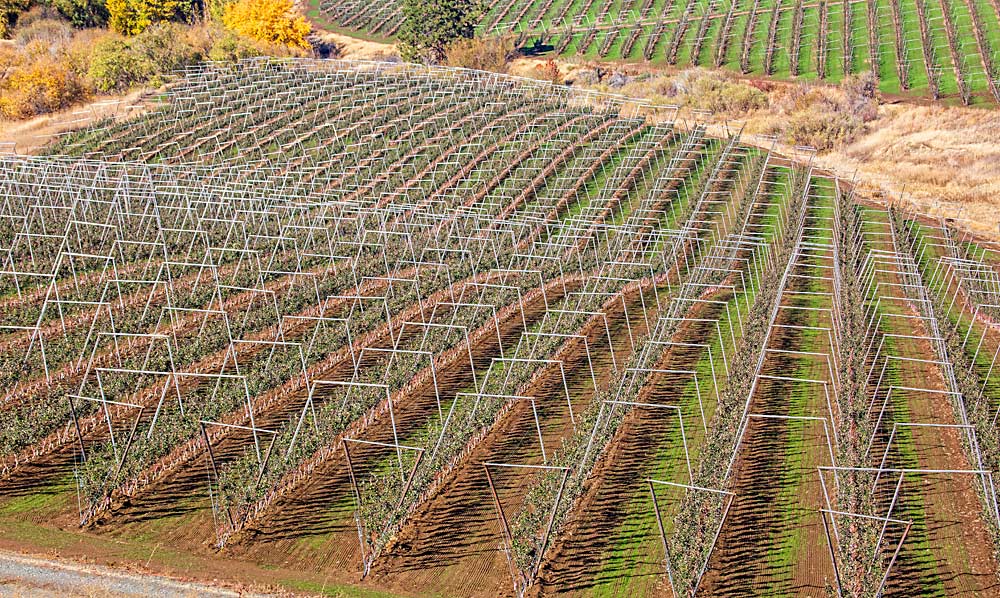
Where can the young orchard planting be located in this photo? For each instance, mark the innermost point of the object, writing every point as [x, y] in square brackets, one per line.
[943, 49]
[443, 332]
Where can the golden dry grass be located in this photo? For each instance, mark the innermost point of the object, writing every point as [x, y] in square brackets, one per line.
[28, 136]
[944, 160]
[357, 49]
[527, 66]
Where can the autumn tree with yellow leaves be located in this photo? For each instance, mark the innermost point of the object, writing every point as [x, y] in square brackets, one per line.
[269, 21]
[131, 17]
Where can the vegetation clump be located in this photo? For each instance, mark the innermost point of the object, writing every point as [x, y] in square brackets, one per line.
[549, 71]
[824, 117]
[486, 54]
[59, 54]
[820, 116]
[701, 89]
[41, 84]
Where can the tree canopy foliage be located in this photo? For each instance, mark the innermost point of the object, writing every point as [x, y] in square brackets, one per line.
[431, 26]
[83, 13]
[271, 21]
[9, 9]
[41, 86]
[131, 17]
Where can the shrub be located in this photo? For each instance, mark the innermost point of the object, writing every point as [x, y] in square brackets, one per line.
[824, 117]
[40, 86]
[51, 32]
[549, 71]
[116, 66]
[166, 47]
[587, 76]
[763, 85]
[78, 52]
[724, 95]
[489, 54]
[269, 21]
[231, 47]
[618, 80]
[822, 129]
[719, 92]
[37, 12]
[863, 85]
[10, 58]
[861, 94]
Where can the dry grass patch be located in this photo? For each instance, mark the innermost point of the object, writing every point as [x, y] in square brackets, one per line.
[358, 49]
[945, 160]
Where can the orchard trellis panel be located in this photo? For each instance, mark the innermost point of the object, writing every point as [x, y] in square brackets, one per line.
[456, 332]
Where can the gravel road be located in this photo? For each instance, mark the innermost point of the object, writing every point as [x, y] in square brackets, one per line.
[29, 577]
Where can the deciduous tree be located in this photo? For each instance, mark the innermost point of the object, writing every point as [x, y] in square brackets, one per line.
[130, 17]
[271, 21]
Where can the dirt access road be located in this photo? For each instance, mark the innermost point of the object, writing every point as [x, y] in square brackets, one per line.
[23, 576]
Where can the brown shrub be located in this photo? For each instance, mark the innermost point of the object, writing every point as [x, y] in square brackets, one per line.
[78, 52]
[724, 95]
[43, 85]
[37, 12]
[823, 117]
[701, 89]
[820, 129]
[762, 84]
[55, 33]
[10, 57]
[549, 71]
[487, 54]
